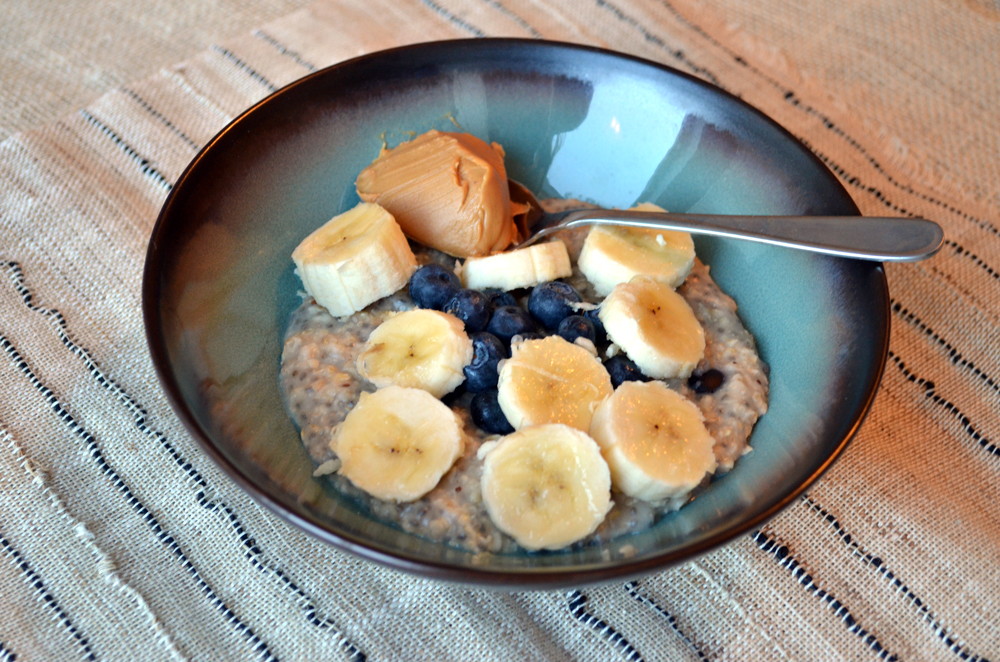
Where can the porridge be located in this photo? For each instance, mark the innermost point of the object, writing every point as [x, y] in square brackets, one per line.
[719, 382]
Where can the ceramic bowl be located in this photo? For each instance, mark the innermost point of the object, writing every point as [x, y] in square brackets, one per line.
[575, 122]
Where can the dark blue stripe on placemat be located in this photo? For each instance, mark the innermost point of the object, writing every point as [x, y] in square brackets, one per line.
[855, 182]
[159, 116]
[632, 588]
[145, 165]
[452, 18]
[964, 252]
[244, 67]
[930, 394]
[954, 356]
[576, 602]
[48, 601]
[787, 560]
[284, 50]
[513, 16]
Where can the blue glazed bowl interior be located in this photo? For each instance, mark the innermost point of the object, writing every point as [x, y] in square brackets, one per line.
[574, 122]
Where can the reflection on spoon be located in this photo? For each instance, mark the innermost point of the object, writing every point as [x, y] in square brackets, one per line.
[879, 238]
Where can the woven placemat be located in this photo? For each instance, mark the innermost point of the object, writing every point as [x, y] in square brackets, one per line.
[120, 540]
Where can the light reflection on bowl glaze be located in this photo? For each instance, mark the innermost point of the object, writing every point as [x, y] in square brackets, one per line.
[574, 122]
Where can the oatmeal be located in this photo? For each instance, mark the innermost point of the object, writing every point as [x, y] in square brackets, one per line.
[321, 384]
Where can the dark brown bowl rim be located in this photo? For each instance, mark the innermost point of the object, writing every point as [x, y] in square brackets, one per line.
[536, 579]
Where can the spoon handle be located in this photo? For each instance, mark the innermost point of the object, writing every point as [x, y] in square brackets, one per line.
[884, 239]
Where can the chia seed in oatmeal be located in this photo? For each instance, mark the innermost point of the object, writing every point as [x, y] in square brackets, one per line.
[320, 384]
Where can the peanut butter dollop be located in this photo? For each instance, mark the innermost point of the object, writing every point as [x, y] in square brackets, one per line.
[446, 190]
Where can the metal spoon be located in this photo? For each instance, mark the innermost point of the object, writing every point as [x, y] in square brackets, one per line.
[879, 238]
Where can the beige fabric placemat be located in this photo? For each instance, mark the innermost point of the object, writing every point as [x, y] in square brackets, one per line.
[59, 56]
[120, 540]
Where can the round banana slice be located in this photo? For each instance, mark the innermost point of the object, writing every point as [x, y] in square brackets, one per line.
[524, 267]
[420, 348]
[354, 259]
[397, 443]
[654, 440]
[551, 381]
[616, 254]
[546, 486]
[655, 326]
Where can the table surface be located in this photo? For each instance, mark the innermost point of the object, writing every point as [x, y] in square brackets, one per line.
[119, 539]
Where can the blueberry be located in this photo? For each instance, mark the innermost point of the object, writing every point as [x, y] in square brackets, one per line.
[549, 303]
[623, 369]
[576, 326]
[531, 336]
[510, 321]
[481, 374]
[472, 307]
[451, 399]
[706, 382]
[600, 334]
[487, 415]
[432, 285]
[499, 298]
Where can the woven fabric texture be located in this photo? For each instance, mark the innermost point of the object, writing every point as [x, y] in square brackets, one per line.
[59, 56]
[120, 540]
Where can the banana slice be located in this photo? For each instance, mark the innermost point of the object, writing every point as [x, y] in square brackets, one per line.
[420, 348]
[354, 259]
[524, 267]
[551, 381]
[613, 255]
[546, 486]
[655, 326]
[397, 443]
[654, 440]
